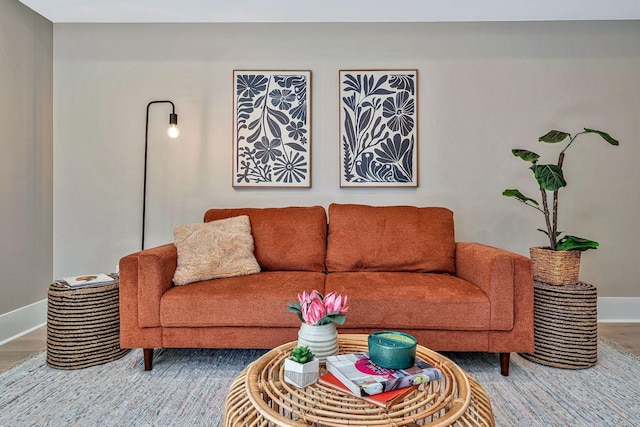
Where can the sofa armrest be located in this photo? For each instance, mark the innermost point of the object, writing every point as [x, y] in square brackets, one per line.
[152, 278]
[497, 272]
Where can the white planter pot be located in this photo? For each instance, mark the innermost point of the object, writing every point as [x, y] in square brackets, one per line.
[322, 340]
[299, 374]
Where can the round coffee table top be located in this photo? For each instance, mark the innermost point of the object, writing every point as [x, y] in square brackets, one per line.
[260, 395]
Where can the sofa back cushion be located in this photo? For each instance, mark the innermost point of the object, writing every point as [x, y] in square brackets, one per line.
[390, 238]
[285, 239]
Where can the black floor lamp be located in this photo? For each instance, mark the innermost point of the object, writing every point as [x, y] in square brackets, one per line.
[173, 132]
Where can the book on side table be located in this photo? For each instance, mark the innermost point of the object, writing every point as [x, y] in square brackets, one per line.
[364, 378]
[88, 280]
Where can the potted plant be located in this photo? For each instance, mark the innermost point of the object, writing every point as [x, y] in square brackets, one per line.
[301, 368]
[558, 263]
[319, 315]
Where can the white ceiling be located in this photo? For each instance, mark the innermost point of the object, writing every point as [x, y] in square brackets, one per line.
[130, 11]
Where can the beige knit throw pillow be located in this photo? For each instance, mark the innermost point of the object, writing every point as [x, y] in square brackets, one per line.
[215, 249]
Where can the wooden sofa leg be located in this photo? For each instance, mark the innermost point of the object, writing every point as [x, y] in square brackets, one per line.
[148, 358]
[504, 363]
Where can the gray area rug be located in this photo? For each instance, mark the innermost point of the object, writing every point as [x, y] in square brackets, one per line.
[187, 387]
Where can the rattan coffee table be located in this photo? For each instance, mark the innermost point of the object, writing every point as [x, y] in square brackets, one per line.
[259, 397]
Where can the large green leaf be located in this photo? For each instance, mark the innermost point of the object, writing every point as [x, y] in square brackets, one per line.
[294, 307]
[338, 318]
[553, 136]
[549, 177]
[518, 195]
[571, 243]
[604, 135]
[526, 155]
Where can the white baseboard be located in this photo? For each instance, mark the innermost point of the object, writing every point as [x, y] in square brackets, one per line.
[619, 310]
[17, 323]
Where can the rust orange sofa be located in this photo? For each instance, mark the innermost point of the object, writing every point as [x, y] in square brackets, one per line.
[400, 267]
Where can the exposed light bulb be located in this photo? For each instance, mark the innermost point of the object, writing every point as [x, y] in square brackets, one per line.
[173, 131]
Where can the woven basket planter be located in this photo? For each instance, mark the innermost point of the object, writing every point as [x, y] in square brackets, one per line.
[555, 267]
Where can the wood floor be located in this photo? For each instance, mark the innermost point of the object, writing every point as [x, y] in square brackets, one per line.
[625, 334]
[22, 348]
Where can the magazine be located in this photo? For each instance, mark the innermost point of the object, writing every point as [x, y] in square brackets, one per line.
[384, 400]
[364, 378]
[88, 280]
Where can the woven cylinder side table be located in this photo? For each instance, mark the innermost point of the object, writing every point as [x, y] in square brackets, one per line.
[565, 325]
[83, 326]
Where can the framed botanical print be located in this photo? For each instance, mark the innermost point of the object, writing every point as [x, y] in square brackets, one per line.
[271, 128]
[378, 128]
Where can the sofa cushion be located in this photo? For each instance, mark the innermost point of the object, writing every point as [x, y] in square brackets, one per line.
[390, 238]
[411, 301]
[216, 249]
[257, 300]
[285, 239]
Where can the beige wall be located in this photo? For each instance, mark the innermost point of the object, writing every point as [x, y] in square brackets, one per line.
[26, 143]
[484, 88]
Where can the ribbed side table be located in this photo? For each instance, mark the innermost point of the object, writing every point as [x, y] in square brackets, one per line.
[565, 325]
[83, 326]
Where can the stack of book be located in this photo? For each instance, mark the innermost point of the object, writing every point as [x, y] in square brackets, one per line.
[355, 374]
[86, 280]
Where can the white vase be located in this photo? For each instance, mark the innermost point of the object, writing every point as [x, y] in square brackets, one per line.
[322, 340]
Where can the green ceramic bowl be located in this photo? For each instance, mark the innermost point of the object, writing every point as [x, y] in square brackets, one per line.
[392, 350]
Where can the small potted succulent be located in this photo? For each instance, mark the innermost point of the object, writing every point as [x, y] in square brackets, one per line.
[558, 263]
[301, 368]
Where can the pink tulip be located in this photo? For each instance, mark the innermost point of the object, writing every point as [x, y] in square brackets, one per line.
[344, 308]
[313, 311]
[335, 303]
[303, 297]
[307, 298]
[332, 302]
[305, 302]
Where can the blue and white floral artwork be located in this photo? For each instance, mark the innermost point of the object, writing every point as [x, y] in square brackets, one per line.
[272, 129]
[378, 128]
